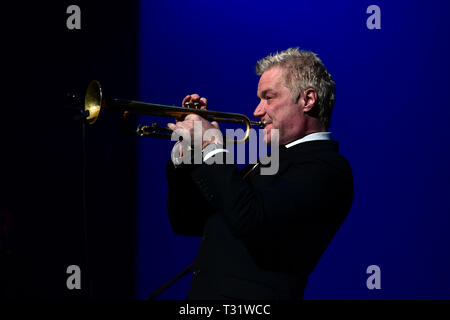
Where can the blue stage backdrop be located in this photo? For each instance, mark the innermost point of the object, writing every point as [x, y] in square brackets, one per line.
[391, 119]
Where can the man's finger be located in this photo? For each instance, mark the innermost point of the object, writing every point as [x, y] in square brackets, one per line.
[186, 99]
[203, 103]
[215, 124]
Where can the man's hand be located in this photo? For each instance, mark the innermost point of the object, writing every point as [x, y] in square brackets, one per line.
[213, 134]
[191, 99]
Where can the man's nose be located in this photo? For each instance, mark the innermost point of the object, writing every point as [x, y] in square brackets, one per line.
[259, 111]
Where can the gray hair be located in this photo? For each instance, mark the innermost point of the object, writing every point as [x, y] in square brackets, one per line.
[303, 70]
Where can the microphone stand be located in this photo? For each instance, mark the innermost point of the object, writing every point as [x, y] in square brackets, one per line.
[159, 290]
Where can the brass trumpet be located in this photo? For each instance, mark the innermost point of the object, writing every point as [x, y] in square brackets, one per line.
[94, 103]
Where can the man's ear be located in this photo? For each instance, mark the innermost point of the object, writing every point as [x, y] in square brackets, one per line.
[310, 97]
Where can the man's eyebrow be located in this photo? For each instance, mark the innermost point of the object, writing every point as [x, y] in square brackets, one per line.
[266, 92]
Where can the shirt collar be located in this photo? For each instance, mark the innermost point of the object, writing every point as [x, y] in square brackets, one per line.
[311, 137]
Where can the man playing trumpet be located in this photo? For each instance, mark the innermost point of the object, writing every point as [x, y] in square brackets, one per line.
[262, 235]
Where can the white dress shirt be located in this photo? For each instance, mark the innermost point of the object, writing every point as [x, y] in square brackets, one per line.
[311, 137]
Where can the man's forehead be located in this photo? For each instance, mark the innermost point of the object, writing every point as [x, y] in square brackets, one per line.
[270, 80]
[272, 74]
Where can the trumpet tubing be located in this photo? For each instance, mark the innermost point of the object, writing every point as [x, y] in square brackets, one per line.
[95, 103]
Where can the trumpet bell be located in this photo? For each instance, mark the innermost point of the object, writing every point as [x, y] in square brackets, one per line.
[93, 101]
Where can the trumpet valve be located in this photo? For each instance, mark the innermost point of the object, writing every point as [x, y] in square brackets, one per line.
[193, 105]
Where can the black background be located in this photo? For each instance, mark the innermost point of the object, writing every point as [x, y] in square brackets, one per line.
[41, 207]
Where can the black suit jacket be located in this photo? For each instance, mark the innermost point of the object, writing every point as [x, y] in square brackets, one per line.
[262, 235]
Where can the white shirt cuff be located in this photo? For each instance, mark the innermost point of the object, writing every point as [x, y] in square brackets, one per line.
[212, 153]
